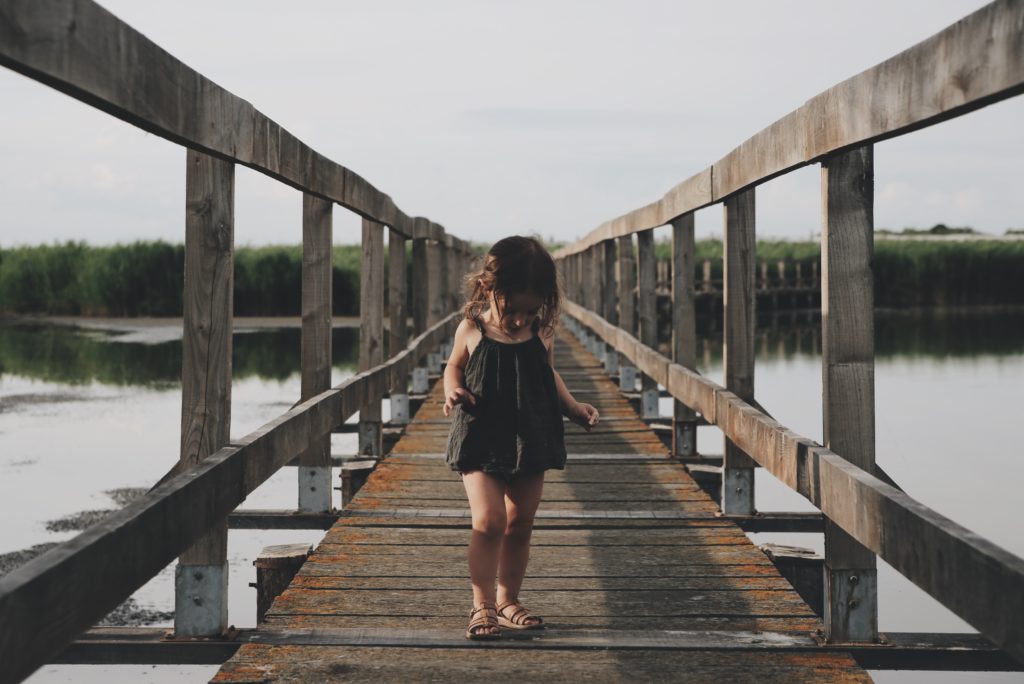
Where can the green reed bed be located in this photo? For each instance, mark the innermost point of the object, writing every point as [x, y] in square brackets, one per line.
[907, 272]
[145, 278]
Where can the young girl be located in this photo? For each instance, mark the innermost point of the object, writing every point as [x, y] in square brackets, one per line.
[508, 403]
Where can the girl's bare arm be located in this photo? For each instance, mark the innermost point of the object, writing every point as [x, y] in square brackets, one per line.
[579, 412]
[455, 391]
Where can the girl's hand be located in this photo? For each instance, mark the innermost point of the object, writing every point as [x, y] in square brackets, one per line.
[459, 395]
[585, 415]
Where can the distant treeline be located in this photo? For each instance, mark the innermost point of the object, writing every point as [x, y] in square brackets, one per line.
[145, 278]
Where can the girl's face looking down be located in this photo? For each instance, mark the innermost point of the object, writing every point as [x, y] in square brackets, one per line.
[518, 310]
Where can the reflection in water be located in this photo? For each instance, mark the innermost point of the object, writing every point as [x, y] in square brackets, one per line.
[903, 334]
[71, 356]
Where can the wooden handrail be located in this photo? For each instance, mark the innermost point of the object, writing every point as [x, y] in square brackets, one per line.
[972, 63]
[47, 602]
[84, 51]
[976, 579]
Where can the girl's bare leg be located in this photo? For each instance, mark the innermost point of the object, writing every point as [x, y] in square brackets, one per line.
[522, 496]
[487, 505]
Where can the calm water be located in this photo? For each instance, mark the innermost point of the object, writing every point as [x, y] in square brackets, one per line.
[84, 412]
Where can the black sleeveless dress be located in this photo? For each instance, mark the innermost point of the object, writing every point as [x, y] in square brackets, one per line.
[516, 426]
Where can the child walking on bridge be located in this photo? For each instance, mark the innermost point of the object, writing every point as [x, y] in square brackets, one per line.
[507, 403]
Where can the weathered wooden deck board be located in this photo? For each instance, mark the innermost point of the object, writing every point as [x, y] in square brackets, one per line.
[629, 563]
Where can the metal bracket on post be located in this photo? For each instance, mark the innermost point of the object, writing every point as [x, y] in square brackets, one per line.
[420, 380]
[433, 362]
[611, 360]
[200, 599]
[627, 378]
[737, 483]
[314, 489]
[371, 438]
[400, 408]
[649, 403]
[684, 439]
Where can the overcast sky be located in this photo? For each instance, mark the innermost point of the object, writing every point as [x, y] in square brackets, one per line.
[497, 118]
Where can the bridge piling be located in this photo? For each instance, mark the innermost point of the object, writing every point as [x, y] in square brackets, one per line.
[201, 576]
[627, 308]
[398, 334]
[371, 332]
[738, 348]
[848, 377]
[647, 316]
[684, 330]
[314, 472]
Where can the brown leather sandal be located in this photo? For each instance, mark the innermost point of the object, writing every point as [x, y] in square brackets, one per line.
[518, 618]
[488, 618]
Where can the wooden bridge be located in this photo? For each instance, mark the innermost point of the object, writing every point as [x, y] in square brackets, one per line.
[635, 565]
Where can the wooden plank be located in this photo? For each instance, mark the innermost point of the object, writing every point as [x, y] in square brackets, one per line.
[315, 363]
[902, 650]
[262, 662]
[451, 602]
[848, 378]
[207, 324]
[684, 330]
[397, 291]
[206, 370]
[627, 285]
[80, 48]
[738, 347]
[611, 294]
[968, 65]
[420, 291]
[371, 333]
[45, 603]
[647, 315]
[434, 284]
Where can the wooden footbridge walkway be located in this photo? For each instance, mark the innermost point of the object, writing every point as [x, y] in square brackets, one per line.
[629, 563]
[640, 563]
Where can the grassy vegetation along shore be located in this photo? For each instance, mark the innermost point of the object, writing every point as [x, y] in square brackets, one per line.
[145, 278]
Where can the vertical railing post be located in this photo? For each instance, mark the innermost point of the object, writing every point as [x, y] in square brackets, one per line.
[627, 309]
[398, 338]
[739, 300]
[446, 266]
[648, 316]
[317, 242]
[455, 273]
[600, 294]
[371, 332]
[848, 377]
[435, 287]
[420, 293]
[420, 307]
[684, 330]
[611, 312]
[201, 576]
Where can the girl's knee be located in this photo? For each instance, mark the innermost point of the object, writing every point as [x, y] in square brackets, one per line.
[519, 528]
[490, 523]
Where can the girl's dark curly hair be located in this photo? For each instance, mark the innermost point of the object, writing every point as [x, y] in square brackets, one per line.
[514, 265]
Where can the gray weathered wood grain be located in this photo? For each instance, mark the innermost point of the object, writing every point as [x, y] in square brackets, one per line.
[208, 314]
[317, 275]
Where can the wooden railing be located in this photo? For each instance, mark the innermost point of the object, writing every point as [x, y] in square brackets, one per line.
[84, 51]
[975, 62]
